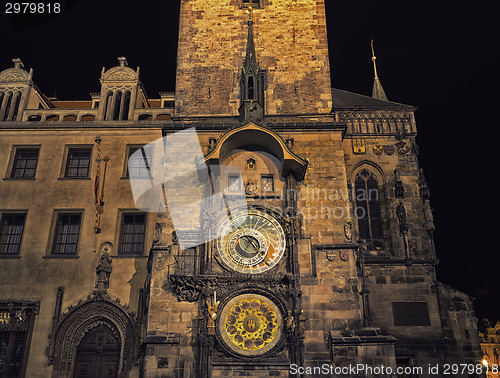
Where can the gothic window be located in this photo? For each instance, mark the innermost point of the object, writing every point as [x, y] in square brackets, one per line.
[139, 162]
[78, 162]
[267, 183]
[125, 106]
[367, 212]
[5, 107]
[25, 162]
[132, 234]
[251, 89]
[16, 324]
[11, 233]
[66, 233]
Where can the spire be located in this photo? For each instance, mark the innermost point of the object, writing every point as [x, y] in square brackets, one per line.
[378, 91]
[251, 57]
[251, 85]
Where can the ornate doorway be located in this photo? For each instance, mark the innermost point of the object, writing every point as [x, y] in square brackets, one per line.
[98, 354]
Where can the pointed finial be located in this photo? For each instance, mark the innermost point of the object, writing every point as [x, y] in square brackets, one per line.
[378, 92]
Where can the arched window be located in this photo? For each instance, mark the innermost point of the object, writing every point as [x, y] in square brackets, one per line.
[107, 105]
[126, 105]
[367, 212]
[251, 88]
[6, 108]
[17, 102]
[118, 102]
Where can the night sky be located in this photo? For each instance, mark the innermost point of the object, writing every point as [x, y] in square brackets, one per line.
[441, 56]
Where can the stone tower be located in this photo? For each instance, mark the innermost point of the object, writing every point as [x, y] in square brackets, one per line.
[290, 43]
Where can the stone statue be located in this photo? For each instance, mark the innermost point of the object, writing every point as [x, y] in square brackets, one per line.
[429, 219]
[103, 270]
[401, 214]
[212, 316]
[290, 323]
[302, 322]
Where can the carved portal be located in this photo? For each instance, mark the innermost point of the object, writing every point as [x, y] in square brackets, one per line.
[98, 309]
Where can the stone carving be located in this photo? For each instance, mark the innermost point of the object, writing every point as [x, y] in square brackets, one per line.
[402, 218]
[290, 323]
[429, 218]
[251, 187]
[399, 190]
[103, 271]
[157, 233]
[17, 63]
[348, 231]
[175, 240]
[389, 150]
[186, 288]
[122, 61]
[302, 322]
[212, 316]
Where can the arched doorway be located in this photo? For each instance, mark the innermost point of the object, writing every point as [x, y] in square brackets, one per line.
[98, 354]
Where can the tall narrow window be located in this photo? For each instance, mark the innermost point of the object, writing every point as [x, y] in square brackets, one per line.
[25, 162]
[11, 233]
[139, 162]
[126, 106]
[367, 209]
[118, 101]
[132, 234]
[17, 102]
[251, 88]
[66, 234]
[107, 106]
[6, 108]
[16, 325]
[78, 162]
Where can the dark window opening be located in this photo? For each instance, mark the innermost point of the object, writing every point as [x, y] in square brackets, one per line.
[251, 89]
[66, 234]
[78, 162]
[132, 234]
[25, 163]
[367, 209]
[11, 233]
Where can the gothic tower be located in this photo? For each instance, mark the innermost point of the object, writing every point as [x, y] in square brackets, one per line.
[297, 229]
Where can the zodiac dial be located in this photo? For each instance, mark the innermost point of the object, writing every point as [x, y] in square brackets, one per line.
[251, 242]
[251, 324]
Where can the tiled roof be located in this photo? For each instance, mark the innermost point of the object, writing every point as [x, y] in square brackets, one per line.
[343, 100]
[72, 104]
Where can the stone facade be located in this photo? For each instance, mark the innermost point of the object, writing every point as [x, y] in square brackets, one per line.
[297, 235]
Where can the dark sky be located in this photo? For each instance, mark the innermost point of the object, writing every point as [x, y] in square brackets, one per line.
[441, 56]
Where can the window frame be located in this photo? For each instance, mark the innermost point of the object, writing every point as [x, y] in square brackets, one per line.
[56, 217]
[267, 176]
[120, 252]
[16, 149]
[3, 214]
[373, 242]
[256, 4]
[129, 151]
[67, 151]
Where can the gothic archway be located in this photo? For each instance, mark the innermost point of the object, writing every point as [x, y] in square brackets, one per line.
[98, 354]
[97, 311]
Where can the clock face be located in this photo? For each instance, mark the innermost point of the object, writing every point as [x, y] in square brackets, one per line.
[251, 324]
[251, 242]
